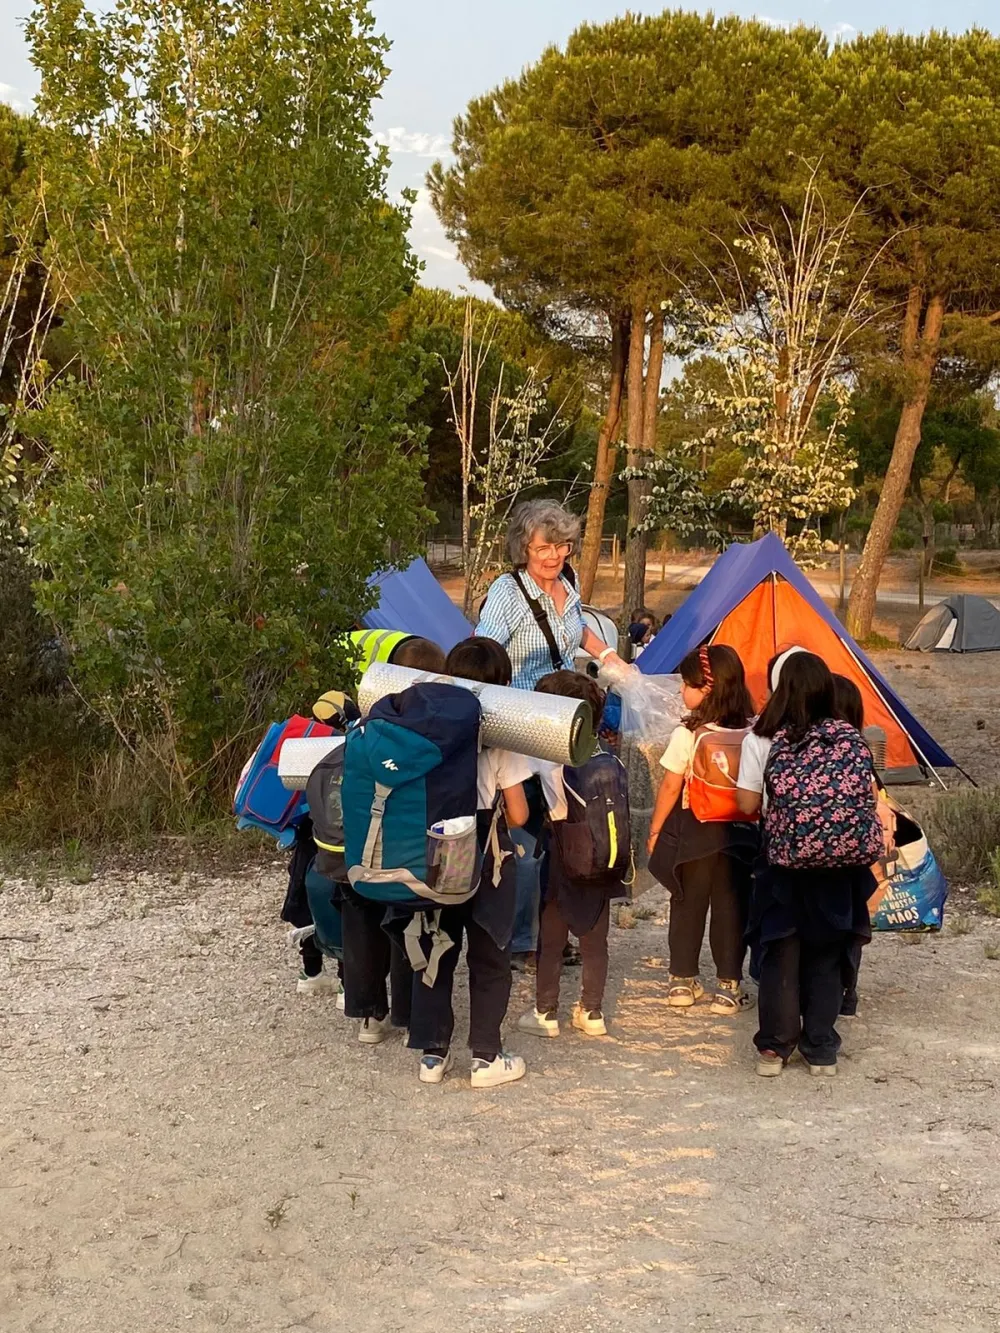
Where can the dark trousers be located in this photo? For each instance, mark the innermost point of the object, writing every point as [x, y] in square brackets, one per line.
[432, 1021]
[801, 989]
[849, 974]
[710, 882]
[369, 957]
[312, 958]
[553, 933]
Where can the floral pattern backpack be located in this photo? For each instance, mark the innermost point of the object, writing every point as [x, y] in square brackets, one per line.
[821, 809]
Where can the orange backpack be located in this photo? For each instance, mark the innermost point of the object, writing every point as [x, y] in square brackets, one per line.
[713, 775]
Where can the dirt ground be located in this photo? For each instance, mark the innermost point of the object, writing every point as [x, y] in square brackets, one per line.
[187, 1144]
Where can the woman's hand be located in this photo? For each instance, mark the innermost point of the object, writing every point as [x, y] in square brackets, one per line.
[651, 841]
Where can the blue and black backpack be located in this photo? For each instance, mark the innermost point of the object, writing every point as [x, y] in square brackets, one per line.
[595, 838]
[409, 798]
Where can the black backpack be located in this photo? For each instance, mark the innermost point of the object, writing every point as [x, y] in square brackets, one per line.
[326, 810]
[595, 838]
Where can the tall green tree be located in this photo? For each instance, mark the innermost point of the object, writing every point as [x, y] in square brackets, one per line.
[914, 123]
[232, 460]
[606, 181]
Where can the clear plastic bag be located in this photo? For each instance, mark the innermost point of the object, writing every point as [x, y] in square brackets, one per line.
[651, 708]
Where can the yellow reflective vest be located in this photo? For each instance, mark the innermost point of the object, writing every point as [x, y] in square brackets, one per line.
[375, 645]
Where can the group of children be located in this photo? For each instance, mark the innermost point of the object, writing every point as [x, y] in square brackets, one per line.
[771, 824]
[766, 827]
[382, 990]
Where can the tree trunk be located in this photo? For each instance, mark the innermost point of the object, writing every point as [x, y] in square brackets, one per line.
[604, 463]
[920, 349]
[636, 542]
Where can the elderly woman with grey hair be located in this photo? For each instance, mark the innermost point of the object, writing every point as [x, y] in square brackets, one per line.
[535, 611]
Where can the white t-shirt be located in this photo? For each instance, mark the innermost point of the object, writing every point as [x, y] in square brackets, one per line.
[551, 776]
[498, 770]
[753, 761]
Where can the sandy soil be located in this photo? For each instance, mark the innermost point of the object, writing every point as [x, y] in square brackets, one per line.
[187, 1144]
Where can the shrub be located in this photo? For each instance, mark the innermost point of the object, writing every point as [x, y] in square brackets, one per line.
[964, 829]
[989, 894]
[947, 562]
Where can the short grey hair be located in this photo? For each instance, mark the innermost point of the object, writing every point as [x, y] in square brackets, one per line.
[548, 517]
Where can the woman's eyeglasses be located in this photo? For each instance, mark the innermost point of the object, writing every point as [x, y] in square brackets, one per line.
[551, 549]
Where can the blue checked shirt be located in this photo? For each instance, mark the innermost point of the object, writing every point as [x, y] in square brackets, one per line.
[507, 618]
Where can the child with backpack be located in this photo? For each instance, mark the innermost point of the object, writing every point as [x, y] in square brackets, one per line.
[487, 920]
[811, 888]
[588, 864]
[345, 923]
[849, 706]
[701, 847]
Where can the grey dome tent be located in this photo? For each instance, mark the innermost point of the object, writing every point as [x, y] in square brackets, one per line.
[961, 624]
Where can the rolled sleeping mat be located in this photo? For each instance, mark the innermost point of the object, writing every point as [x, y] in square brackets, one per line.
[542, 726]
[299, 757]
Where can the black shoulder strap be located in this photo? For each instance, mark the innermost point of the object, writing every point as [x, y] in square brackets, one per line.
[541, 620]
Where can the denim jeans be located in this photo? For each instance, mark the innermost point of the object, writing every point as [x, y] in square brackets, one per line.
[528, 879]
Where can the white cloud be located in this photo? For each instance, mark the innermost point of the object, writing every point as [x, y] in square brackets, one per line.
[10, 95]
[399, 140]
[773, 23]
[842, 32]
[442, 266]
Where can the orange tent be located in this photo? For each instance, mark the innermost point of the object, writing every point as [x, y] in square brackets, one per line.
[757, 600]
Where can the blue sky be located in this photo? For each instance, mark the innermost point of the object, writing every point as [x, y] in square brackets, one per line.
[448, 51]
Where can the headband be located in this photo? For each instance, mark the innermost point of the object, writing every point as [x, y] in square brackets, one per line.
[706, 667]
[776, 669]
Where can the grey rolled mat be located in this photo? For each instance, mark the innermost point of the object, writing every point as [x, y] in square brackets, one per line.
[543, 726]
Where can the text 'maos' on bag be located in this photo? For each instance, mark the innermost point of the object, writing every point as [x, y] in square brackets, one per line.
[911, 890]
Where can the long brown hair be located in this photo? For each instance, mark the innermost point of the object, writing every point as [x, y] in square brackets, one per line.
[728, 702]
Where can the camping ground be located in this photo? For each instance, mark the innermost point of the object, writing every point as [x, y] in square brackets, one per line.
[186, 1144]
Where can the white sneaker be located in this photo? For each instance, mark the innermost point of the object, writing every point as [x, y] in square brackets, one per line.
[504, 1069]
[539, 1024]
[434, 1067]
[591, 1022]
[823, 1071]
[321, 984]
[341, 999]
[373, 1031]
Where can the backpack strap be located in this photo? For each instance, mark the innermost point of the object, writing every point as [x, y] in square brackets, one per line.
[373, 840]
[541, 620]
[493, 840]
[420, 924]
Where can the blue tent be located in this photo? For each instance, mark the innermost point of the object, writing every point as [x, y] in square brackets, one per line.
[756, 599]
[412, 600]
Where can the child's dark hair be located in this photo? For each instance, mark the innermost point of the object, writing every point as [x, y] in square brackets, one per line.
[573, 685]
[804, 697]
[728, 702]
[480, 659]
[848, 704]
[419, 655]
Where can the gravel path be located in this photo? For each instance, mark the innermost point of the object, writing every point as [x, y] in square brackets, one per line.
[187, 1144]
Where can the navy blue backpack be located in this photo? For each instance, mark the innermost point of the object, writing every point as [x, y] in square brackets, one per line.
[595, 838]
[409, 798]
